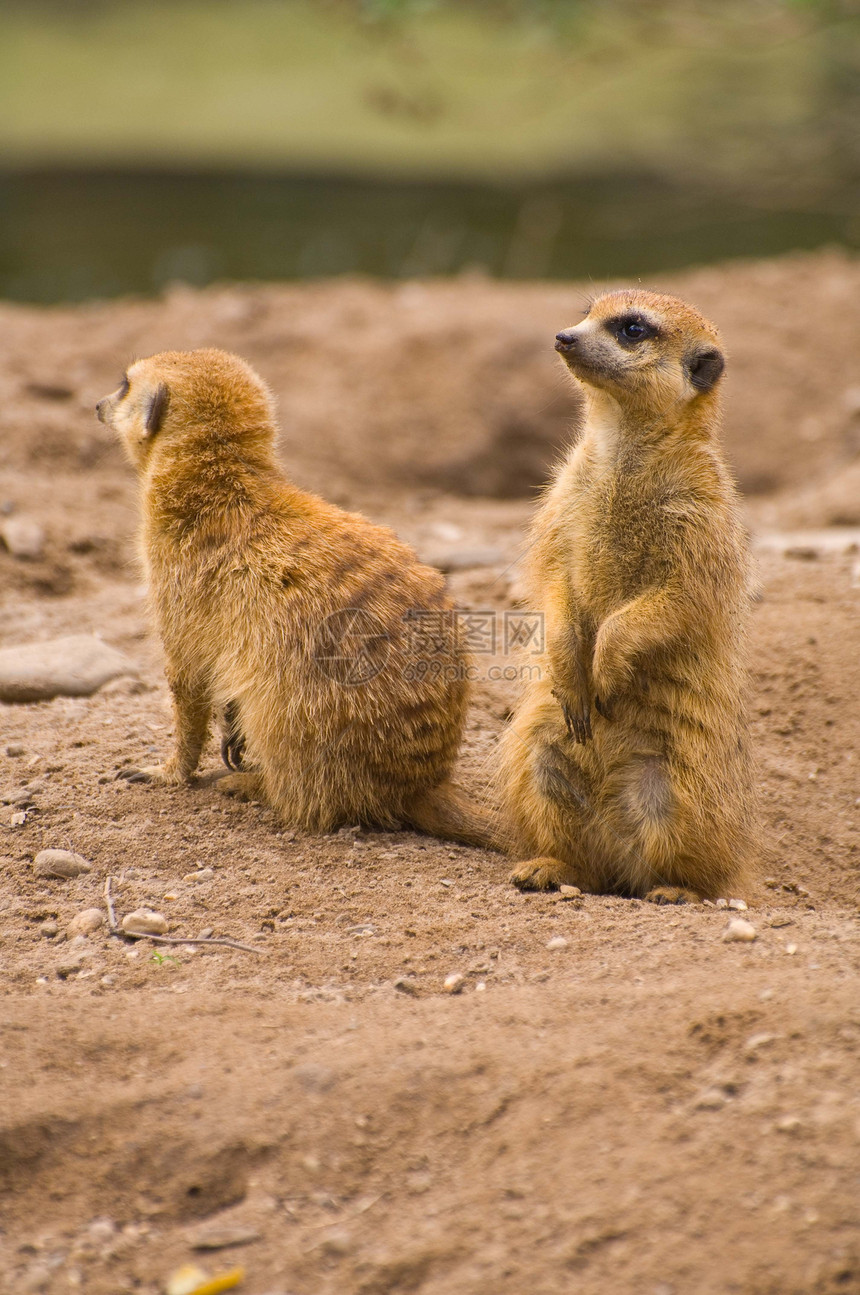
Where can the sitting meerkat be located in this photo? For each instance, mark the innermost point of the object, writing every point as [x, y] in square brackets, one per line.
[626, 768]
[286, 616]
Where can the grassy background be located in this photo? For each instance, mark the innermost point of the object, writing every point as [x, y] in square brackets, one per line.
[761, 94]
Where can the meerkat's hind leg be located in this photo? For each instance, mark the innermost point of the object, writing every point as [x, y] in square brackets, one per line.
[243, 786]
[672, 895]
[447, 812]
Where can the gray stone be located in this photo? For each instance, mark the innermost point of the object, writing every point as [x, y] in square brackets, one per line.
[60, 864]
[86, 922]
[144, 921]
[405, 986]
[75, 666]
[218, 1236]
[315, 1079]
[23, 537]
[465, 559]
[741, 930]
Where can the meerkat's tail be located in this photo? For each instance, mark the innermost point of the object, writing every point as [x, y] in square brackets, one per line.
[447, 812]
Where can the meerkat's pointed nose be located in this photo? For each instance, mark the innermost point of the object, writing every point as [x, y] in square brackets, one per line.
[565, 341]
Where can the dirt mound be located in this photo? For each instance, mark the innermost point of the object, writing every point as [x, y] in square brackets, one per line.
[614, 1098]
[451, 384]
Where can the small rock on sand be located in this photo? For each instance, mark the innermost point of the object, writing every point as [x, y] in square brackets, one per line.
[405, 986]
[144, 921]
[60, 864]
[86, 922]
[220, 1235]
[75, 666]
[453, 984]
[739, 929]
[557, 942]
[23, 537]
[464, 559]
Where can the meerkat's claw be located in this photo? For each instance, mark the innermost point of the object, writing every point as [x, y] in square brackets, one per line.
[152, 773]
[539, 874]
[672, 895]
[577, 723]
[232, 751]
[133, 775]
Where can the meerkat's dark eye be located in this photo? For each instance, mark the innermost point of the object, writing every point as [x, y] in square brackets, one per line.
[630, 329]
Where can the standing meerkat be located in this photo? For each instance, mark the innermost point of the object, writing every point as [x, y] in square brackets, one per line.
[626, 766]
[286, 616]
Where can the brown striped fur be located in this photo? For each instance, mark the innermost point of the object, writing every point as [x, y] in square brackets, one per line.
[245, 572]
[626, 766]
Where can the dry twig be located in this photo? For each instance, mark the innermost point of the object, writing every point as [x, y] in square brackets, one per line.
[115, 929]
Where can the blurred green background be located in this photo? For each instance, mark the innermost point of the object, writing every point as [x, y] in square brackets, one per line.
[141, 143]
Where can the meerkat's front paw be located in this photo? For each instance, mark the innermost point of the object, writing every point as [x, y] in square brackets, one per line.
[577, 715]
[672, 895]
[243, 786]
[166, 774]
[543, 873]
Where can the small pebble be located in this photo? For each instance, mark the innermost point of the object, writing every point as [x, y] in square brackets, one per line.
[557, 942]
[464, 559]
[186, 1280]
[202, 874]
[144, 921]
[711, 1099]
[36, 1279]
[454, 983]
[738, 905]
[21, 796]
[206, 933]
[569, 892]
[60, 864]
[405, 986]
[86, 922]
[107, 981]
[791, 948]
[15, 749]
[219, 1236]
[102, 1230]
[739, 929]
[19, 818]
[23, 537]
[721, 903]
[49, 929]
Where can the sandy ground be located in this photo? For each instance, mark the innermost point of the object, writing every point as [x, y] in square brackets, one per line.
[646, 1109]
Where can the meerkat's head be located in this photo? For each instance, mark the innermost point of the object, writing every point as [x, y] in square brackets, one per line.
[645, 349]
[189, 397]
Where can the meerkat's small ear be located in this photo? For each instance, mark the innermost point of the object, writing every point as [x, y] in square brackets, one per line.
[705, 367]
[157, 409]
